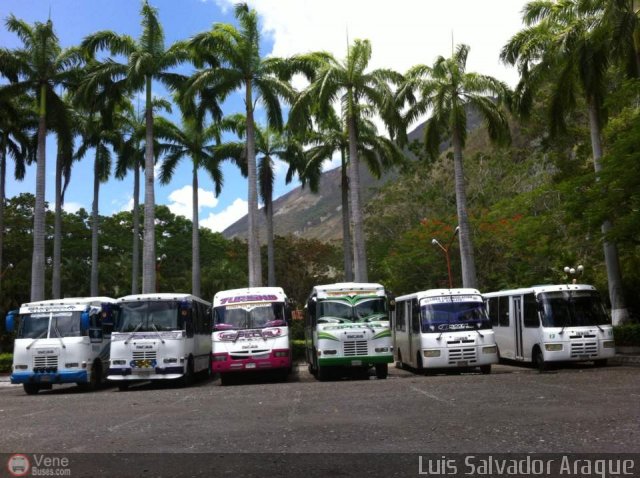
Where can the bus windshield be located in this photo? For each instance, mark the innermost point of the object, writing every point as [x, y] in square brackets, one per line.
[451, 316]
[254, 316]
[151, 316]
[364, 310]
[38, 326]
[572, 308]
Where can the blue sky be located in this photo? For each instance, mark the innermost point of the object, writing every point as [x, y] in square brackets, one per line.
[402, 32]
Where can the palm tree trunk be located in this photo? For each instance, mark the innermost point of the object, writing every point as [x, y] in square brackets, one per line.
[37, 263]
[149, 243]
[3, 182]
[195, 236]
[346, 229]
[635, 4]
[135, 254]
[619, 311]
[359, 250]
[56, 286]
[467, 260]
[271, 263]
[255, 265]
[94, 231]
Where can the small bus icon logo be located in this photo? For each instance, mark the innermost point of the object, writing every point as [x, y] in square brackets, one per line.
[18, 465]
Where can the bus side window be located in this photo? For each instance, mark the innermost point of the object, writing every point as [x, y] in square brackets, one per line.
[400, 316]
[503, 310]
[494, 313]
[189, 320]
[530, 311]
[415, 316]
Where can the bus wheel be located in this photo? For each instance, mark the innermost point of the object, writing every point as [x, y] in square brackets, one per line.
[485, 369]
[600, 363]
[323, 373]
[225, 379]
[382, 370]
[187, 378]
[538, 360]
[400, 363]
[419, 367]
[123, 386]
[30, 388]
[95, 381]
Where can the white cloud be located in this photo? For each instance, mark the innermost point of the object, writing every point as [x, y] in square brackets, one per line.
[336, 160]
[402, 33]
[218, 222]
[72, 207]
[128, 206]
[182, 200]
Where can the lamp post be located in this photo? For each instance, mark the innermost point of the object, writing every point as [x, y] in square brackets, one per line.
[158, 264]
[435, 242]
[9, 266]
[575, 272]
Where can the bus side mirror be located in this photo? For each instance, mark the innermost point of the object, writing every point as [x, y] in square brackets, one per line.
[85, 320]
[95, 335]
[10, 321]
[392, 305]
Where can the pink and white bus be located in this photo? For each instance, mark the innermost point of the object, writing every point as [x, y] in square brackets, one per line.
[251, 332]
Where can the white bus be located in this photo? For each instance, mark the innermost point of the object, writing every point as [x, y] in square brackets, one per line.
[551, 323]
[162, 336]
[61, 341]
[347, 326]
[251, 332]
[443, 329]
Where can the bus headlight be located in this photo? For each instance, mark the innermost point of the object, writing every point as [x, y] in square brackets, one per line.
[553, 347]
[20, 367]
[118, 362]
[219, 357]
[281, 353]
[381, 349]
[72, 365]
[329, 352]
[490, 350]
[608, 344]
[170, 360]
[431, 353]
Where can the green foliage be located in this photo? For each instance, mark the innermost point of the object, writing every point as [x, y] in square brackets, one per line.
[297, 330]
[627, 335]
[298, 350]
[6, 360]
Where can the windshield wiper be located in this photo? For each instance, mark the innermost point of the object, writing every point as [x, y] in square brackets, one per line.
[55, 328]
[133, 332]
[156, 330]
[477, 329]
[37, 338]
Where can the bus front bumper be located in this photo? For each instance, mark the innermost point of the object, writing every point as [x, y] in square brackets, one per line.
[355, 361]
[224, 362]
[157, 373]
[62, 376]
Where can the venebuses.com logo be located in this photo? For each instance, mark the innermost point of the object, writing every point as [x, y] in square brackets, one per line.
[38, 465]
[18, 465]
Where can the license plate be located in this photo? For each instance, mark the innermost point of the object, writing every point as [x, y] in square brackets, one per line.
[463, 363]
[250, 365]
[143, 370]
[584, 357]
[356, 363]
[45, 378]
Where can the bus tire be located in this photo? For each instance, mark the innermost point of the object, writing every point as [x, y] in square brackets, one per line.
[538, 360]
[382, 371]
[95, 381]
[600, 363]
[225, 379]
[323, 373]
[419, 366]
[187, 379]
[31, 388]
[123, 386]
[485, 369]
[400, 363]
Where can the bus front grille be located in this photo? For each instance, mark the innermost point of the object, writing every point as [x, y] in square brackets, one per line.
[45, 362]
[581, 349]
[356, 347]
[145, 355]
[462, 355]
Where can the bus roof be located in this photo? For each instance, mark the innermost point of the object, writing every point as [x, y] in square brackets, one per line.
[251, 294]
[71, 303]
[161, 296]
[430, 293]
[537, 289]
[348, 289]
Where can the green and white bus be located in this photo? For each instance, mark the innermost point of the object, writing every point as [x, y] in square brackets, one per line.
[347, 327]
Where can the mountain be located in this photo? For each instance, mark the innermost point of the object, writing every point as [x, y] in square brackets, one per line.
[319, 216]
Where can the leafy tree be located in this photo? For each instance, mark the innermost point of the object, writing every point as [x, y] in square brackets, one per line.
[147, 60]
[448, 90]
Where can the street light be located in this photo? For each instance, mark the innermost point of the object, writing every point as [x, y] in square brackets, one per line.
[435, 242]
[570, 271]
[159, 261]
[9, 266]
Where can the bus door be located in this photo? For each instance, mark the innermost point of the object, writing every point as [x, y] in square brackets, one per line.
[415, 333]
[517, 322]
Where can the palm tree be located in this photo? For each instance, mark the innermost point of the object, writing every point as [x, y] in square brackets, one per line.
[147, 60]
[448, 91]
[15, 123]
[378, 152]
[194, 140]
[353, 85]
[39, 67]
[237, 64]
[560, 46]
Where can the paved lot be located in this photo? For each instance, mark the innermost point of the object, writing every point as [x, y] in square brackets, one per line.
[574, 409]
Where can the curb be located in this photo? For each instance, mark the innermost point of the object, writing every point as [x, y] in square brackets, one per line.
[620, 359]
